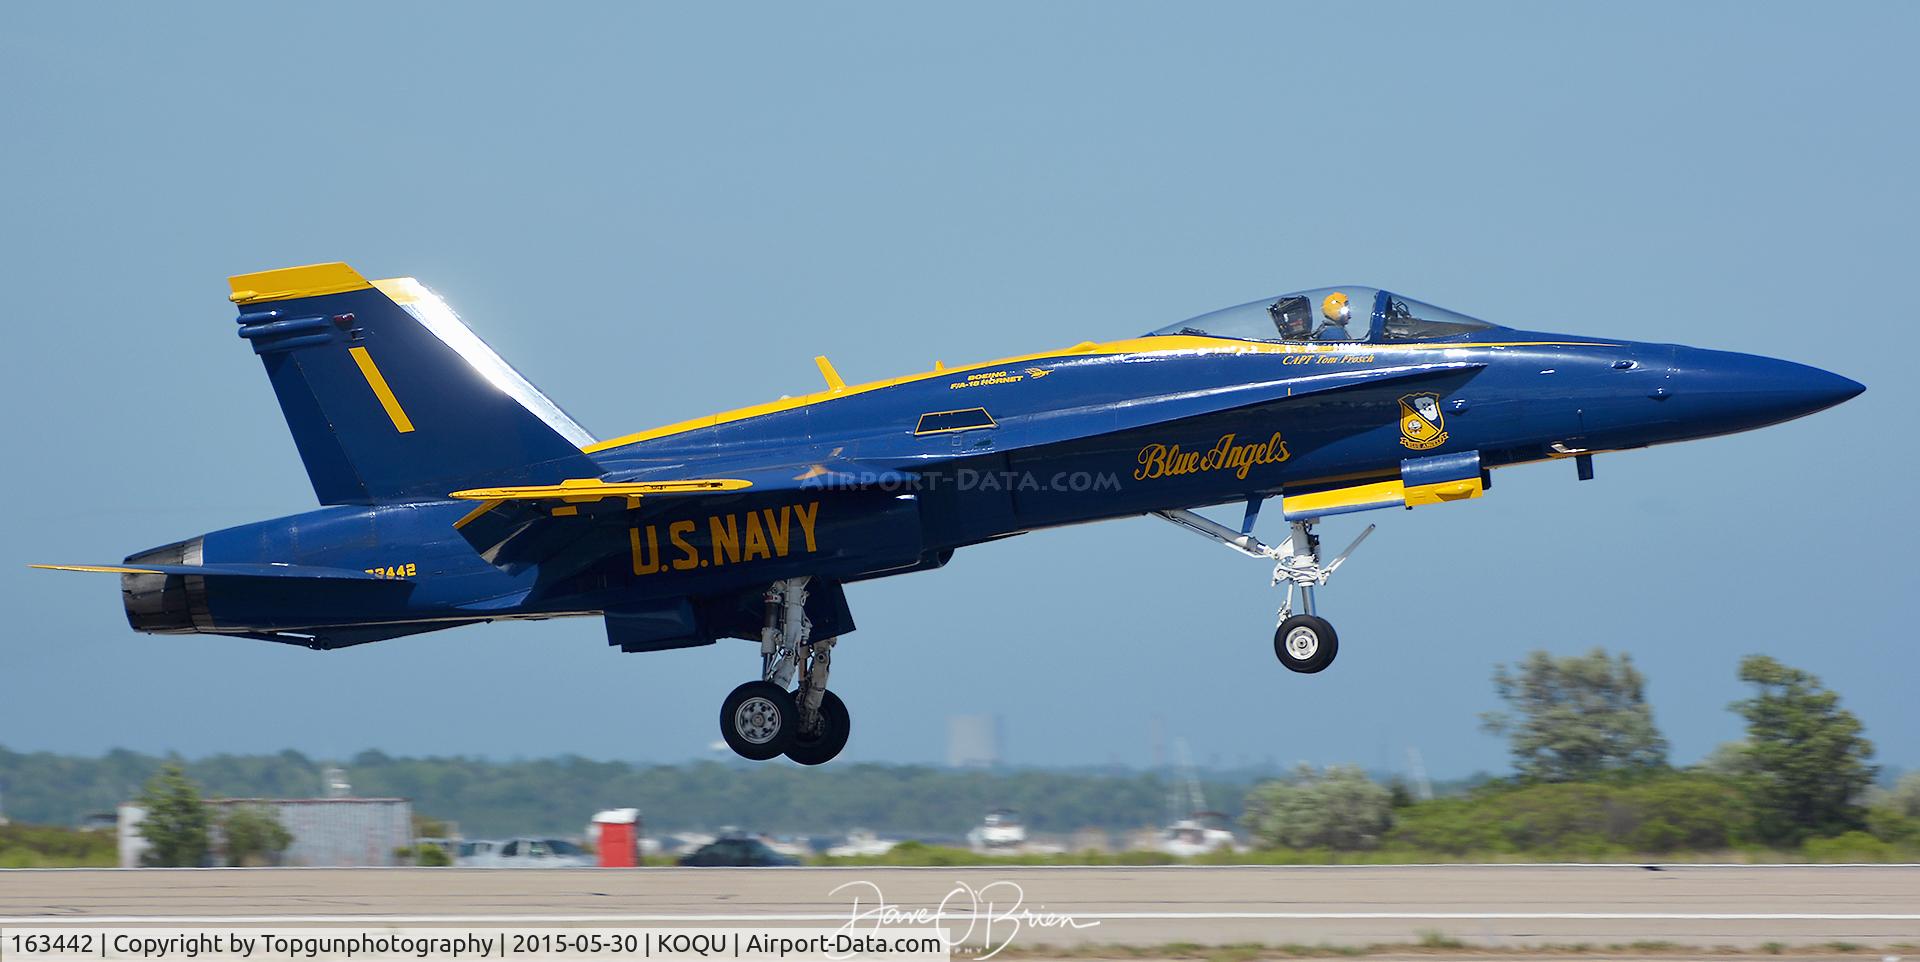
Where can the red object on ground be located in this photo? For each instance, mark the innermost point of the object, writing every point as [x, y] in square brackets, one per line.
[618, 837]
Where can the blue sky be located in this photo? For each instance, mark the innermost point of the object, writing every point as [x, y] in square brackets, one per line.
[658, 212]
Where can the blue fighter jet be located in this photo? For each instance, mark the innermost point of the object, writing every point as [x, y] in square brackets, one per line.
[454, 492]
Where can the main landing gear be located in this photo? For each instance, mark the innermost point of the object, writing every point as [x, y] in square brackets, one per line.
[763, 719]
[1303, 642]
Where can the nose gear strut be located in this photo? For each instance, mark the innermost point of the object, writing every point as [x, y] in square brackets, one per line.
[1303, 642]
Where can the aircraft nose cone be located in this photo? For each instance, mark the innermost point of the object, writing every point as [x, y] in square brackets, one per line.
[1828, 389]
[1738, 391]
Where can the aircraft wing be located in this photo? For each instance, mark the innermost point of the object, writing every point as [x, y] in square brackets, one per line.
[517, 527]
[586, 490]
[830, 473]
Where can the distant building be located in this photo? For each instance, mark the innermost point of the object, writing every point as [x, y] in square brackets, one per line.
[326, 831]
[973, 741]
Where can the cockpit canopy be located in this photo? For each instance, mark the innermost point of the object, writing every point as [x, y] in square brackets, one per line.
[1350, 314]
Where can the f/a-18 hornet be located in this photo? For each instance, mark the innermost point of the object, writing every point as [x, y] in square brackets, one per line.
[453, 491]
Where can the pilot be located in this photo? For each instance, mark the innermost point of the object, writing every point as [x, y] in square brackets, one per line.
[1335, 313]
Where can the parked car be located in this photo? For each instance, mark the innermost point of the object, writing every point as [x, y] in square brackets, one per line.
[861, 842]
[473, 852]
[737, 851]
[523, 853]
[1001, 831]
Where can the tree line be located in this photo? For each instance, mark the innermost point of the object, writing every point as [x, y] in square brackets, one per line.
[1592, 779]
[556, 796]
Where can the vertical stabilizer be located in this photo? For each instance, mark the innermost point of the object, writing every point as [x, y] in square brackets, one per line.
[390, 397]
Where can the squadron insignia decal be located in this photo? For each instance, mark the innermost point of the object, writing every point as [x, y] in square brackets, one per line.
[1422, 426]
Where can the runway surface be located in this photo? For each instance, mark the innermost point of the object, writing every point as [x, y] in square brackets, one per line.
[1483, 905]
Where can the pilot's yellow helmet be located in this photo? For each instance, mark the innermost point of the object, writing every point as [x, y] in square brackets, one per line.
[1335, 308]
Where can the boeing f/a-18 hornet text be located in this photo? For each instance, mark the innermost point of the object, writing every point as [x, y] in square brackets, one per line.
[453, 491]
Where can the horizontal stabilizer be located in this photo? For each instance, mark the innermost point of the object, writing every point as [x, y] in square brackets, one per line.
[167, 596]
[240, 570]
[516, 527]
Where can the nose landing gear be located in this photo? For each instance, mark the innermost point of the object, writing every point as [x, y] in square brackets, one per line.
[1303, 642]
[762, 719]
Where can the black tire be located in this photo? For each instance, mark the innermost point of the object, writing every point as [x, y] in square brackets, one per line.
[1305, 644]
[758, 720]
[819, 748]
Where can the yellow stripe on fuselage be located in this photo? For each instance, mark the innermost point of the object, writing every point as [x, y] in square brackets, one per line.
[375, 380]
[1157, 344]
